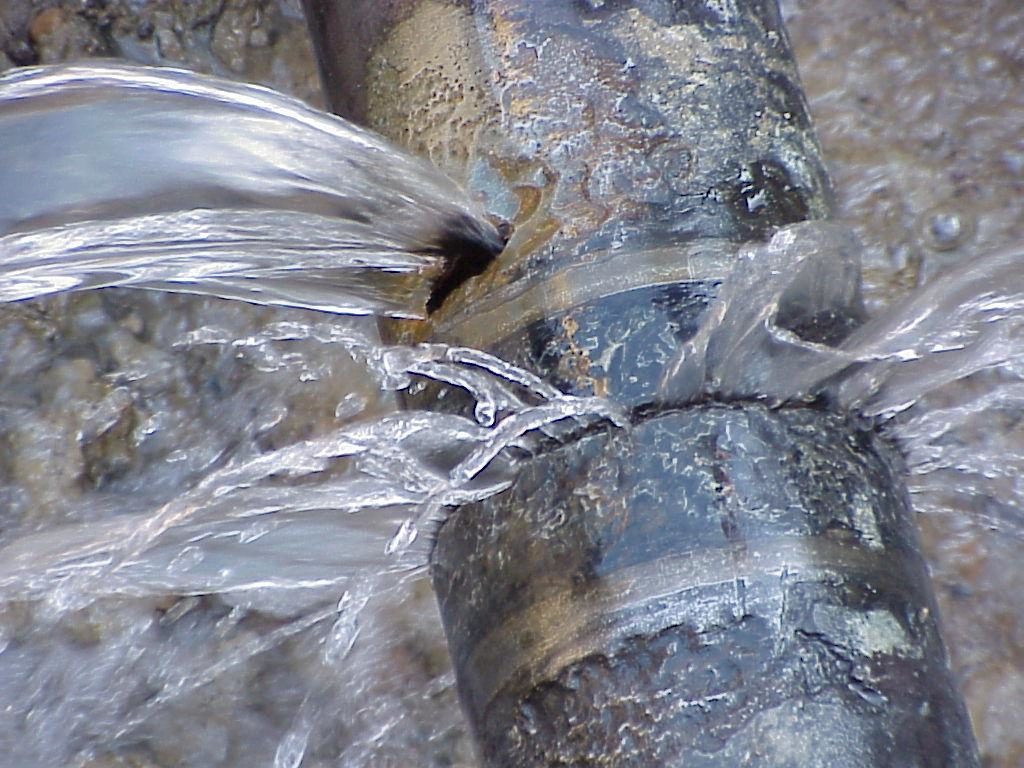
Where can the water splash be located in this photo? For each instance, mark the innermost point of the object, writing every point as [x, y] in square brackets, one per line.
[277, 571]
[221, 534]
[895, 369]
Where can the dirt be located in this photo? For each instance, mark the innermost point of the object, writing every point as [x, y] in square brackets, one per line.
[259, 41]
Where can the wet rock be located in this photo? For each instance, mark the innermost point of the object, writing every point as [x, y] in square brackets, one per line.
[45, 24]
[259, 38]
[231, 34]
[21, 53]
[198, 13]
[946, 228]
[107, 445]
[252, 40]
[46, 459]
[144, 29]
[60, 36]
[168, 46]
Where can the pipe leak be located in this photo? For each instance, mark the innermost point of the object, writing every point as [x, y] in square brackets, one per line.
[722, 583]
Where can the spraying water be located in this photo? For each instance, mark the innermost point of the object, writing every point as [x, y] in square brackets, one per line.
[162, 179]
[189, 549]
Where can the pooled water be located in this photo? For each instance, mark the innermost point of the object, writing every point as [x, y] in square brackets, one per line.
[199, 568]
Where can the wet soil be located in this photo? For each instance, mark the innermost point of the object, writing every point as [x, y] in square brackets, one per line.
[258, 41]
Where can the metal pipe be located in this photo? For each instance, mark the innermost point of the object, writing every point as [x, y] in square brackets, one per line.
[724, 584]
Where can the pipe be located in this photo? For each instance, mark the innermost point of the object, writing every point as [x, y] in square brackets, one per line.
[577, 122]
[723, 584]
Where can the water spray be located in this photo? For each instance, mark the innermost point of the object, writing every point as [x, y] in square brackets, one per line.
[724, 582]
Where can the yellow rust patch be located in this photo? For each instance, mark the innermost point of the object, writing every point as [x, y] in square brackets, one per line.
[426, 86]
[576, 363]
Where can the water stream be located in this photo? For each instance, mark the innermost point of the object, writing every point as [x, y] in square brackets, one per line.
[215, 521]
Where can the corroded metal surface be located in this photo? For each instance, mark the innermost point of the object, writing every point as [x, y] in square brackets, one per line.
[724, 585]
[593, 129]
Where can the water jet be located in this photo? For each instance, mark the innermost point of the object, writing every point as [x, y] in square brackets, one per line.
[717, 586]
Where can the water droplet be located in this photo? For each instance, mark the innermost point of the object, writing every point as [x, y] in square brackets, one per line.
[403, 538]
[945, 228]
[292, 748]
[350, 405]
[345, 631]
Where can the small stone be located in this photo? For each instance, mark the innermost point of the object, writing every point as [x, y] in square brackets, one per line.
[133, 323]
[231, 35]
[45, 24]
[21, 53]
[168, 45]
[259, 38]
[945, 229]
[61, 36]
[197, 13]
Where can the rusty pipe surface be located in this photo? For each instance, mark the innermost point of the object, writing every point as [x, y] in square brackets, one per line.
[723, 584]
[579, 124]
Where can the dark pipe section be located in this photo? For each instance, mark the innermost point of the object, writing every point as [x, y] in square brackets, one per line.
[720, 585]
[344, 34]
[723, 585]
